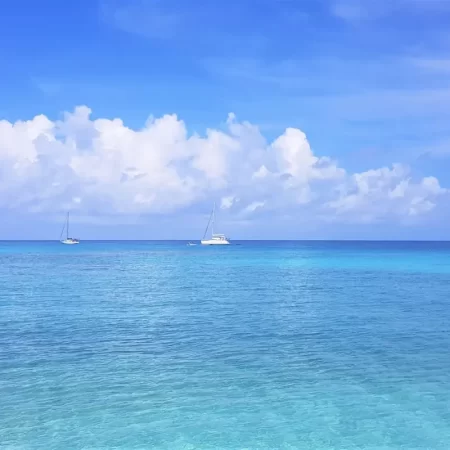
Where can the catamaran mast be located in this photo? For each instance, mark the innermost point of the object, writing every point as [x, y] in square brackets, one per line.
[67, 225]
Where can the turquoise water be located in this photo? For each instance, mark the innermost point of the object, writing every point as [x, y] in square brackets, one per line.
[144, 345]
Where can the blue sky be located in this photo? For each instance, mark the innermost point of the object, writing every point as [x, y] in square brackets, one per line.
[367, 82]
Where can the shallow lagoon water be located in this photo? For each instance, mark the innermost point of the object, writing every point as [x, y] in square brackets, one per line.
[262, 345]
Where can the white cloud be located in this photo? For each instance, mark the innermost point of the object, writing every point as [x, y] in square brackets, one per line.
[227, 202]
[357, 10]
[254, 206]
[296, 158]
[102, 167]
[386, 192]
[150, 19]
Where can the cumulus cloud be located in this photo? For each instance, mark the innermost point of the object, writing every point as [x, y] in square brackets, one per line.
[386, 192]
[102, 166]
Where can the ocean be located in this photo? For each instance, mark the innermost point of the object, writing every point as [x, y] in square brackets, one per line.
[259, 345]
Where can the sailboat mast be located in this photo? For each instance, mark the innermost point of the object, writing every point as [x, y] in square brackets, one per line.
[68, 225]
[213, 219]
[207, 226]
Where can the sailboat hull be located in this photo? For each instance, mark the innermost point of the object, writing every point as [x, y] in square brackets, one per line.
[69, 242]
[215, 242]
[216, 239]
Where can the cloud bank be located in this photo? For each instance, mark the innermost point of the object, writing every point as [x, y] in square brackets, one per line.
[103, 167]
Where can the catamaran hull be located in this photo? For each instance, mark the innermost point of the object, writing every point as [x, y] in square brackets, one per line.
[215, 242]
[69, 242]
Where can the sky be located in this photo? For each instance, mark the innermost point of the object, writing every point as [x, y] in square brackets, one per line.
[301, 119]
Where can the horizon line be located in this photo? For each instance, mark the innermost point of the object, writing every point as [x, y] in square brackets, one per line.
[236, 240]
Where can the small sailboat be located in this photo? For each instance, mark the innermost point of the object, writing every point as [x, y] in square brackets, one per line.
[190, 244]
[216, 239]
[68, 240]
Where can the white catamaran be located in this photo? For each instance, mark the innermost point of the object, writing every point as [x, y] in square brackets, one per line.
[216, 239]
[68, 240]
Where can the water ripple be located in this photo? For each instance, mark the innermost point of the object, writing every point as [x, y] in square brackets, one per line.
[259, 346]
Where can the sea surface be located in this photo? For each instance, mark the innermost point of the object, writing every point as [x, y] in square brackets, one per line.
[260, 345]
